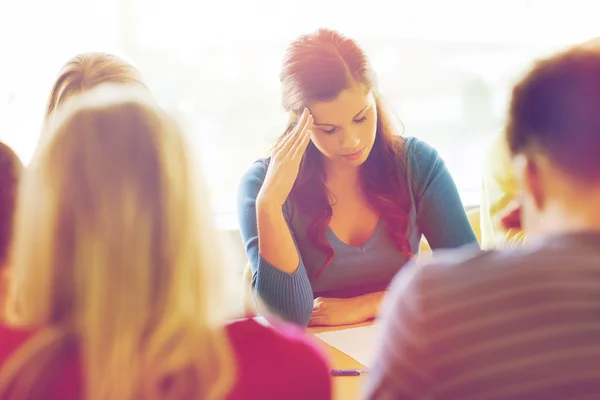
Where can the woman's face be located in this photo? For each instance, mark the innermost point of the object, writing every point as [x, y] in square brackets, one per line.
[344, 128]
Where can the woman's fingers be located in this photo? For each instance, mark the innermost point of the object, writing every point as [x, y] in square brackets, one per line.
[299, 147]
[294, 134]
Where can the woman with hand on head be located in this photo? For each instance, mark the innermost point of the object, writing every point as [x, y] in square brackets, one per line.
[341, 204]
[115, 274]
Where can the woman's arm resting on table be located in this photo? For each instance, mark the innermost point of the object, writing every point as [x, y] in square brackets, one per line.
[332, 311]
[285, 291]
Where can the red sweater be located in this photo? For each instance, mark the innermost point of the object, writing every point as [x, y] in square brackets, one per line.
[271, 364]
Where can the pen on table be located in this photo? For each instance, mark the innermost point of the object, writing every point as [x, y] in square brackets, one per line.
[348, 372]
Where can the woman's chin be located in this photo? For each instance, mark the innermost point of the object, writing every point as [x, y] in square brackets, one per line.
[358, 161]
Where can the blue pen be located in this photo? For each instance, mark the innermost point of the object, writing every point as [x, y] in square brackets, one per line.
[347, 372]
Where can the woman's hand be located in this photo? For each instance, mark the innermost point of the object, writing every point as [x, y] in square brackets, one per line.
[332, 311]
[285, 163]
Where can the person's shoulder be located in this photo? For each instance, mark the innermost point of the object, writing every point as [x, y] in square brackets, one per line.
[256, 171]
[68, 380]
[417, 156]
[280, 336]
[419, 152]
[246, 329]
[15, 335]
[469, 267]
[277, 361]
[420, 160]
[446, 274]
[11, 338]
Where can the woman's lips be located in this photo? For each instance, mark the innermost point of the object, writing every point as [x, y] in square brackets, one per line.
[354, 156]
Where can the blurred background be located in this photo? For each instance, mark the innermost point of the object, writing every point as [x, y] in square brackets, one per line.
[445, 67]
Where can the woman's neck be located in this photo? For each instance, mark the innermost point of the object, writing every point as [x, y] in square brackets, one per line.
[339, 177]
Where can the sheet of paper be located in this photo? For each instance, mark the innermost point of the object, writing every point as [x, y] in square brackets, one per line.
[358, 343]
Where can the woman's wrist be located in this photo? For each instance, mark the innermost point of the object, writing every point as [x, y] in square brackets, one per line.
[265, 204]
[369, 304]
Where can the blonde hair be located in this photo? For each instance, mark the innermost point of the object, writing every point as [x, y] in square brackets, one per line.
[88, 70]
[114, 255]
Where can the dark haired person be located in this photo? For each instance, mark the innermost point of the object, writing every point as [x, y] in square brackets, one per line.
[522, 322]
[10, 176]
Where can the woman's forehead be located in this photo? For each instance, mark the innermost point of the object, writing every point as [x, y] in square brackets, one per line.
[349, 104]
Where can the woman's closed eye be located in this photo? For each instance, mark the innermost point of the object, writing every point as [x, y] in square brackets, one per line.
[360, 120]
[356, 121]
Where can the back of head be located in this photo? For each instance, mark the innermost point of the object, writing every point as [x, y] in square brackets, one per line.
[555, 113]
[118, 259]
[10, 174]
[88, 70]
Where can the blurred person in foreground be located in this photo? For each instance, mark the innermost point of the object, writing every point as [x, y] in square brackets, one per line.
[522, 322]
[11, 169]
[116, 274]
[500, 203]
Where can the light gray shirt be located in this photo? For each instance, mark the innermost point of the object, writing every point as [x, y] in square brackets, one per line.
[521, 323]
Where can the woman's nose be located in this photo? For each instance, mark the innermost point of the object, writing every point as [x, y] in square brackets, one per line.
[349, 141]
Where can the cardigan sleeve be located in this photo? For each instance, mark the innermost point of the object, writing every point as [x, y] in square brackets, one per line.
[290, 296]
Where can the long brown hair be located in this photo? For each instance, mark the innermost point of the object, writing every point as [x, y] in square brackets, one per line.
[317, 67]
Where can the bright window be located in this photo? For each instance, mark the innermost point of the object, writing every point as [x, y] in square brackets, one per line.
[445, 67]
